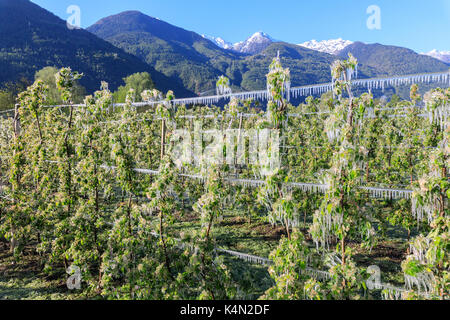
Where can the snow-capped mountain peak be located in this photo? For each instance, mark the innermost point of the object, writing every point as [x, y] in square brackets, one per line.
[260, 36]
[253, 45]
[440, 55]
[219, 42]
[332, 46]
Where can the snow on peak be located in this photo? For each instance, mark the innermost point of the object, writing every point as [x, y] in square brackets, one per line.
[219, 42]
[254, 44]
[260, 36]
[332, 46]
[440, 55]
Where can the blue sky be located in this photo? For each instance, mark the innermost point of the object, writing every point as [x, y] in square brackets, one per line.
[421, 25]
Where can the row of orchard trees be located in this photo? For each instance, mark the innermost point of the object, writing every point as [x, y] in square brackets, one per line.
[69, 189]
[8, 92]
[345, 213]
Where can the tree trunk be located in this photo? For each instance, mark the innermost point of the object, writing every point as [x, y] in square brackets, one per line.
[14, 243]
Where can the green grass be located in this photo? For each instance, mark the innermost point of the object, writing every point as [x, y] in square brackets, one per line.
[23, 279]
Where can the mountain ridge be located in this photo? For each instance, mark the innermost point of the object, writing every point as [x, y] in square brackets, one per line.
[392, 60]
[199, 64]
[32, 38]
[199, 60]
[176, 58]
[185, 56]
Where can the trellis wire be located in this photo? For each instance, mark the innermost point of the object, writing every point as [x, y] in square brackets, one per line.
[246, 257]
[391, 291]
[375, 192]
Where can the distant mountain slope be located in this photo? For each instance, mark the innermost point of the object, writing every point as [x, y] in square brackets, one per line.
[391, 60]
[306, 66]
[198, 62]
[32, 38]
[180, 54]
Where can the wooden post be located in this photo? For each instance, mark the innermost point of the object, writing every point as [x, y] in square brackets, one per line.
[238, 141]
[163, 137]
[16, 121]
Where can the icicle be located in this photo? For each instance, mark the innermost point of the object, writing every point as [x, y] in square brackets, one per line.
[423, 281]
[333, 134]
[419, 211]
[390, 292]
[247, 257]
[388, 193]
[439, 115]
[288, 90]
[311, 187]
